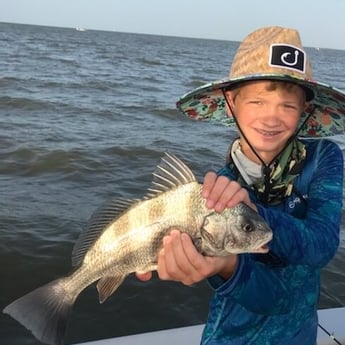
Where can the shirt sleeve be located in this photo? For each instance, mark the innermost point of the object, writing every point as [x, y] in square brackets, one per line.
[256, 286]
[313, 240]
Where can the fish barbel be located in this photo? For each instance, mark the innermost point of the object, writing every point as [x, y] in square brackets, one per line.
[125, 236]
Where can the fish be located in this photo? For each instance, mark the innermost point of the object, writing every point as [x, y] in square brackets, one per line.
[124, 236]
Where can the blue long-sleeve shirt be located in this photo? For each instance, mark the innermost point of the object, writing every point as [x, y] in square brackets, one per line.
[272, 298]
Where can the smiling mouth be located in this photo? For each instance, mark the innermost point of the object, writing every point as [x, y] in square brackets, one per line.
[268, 133]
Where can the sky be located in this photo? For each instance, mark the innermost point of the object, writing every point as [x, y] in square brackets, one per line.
[320, 23]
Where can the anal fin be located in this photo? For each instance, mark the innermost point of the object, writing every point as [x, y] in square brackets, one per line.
[107, 285]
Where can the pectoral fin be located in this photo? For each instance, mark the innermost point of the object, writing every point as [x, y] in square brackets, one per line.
[107, 285]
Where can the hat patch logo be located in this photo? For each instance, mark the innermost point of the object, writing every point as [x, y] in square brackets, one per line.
[287, 56]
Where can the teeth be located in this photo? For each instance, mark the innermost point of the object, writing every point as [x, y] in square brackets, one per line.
[267, 132]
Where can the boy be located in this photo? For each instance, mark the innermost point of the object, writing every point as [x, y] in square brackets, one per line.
[294, 183]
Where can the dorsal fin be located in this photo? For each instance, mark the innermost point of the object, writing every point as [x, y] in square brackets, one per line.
[100, 219]
[170, 173]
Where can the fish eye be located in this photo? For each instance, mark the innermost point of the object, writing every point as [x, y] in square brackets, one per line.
[247, 227]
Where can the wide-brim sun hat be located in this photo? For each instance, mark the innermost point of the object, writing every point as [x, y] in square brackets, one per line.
[271, 53]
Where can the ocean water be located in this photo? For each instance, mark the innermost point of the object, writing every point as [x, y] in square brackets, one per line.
[84, 117]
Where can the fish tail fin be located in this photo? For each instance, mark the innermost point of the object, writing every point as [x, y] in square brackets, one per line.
[44, 311]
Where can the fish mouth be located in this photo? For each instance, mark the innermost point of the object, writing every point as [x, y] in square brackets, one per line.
[263, 249]
[263, 246]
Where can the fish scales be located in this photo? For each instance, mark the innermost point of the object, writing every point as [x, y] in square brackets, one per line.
[141, 253]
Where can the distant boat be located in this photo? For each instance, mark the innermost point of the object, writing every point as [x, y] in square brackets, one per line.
[80, 29]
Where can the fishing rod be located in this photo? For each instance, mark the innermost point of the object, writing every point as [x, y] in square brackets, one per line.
[331, 335]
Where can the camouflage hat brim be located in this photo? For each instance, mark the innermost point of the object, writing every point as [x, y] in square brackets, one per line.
[207, 103]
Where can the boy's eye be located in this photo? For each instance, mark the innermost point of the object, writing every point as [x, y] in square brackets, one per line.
[290, 106]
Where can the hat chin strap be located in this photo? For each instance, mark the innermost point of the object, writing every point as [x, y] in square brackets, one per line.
[266, 167]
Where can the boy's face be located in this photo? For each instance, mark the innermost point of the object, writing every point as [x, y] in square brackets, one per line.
[267, 116]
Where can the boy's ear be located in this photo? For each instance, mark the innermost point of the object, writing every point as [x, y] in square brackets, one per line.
[306, 105]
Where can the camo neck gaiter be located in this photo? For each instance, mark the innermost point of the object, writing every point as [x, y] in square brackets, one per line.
[270, 183]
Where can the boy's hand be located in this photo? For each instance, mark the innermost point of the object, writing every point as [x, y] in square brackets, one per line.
[221, 192]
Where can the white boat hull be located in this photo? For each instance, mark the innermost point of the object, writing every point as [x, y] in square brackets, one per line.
[333, 320]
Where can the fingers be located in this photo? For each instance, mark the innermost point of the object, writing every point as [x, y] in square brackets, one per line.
[220, 192]
[209, 181]
[235, 196]
[179, 260]
[144, 276]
